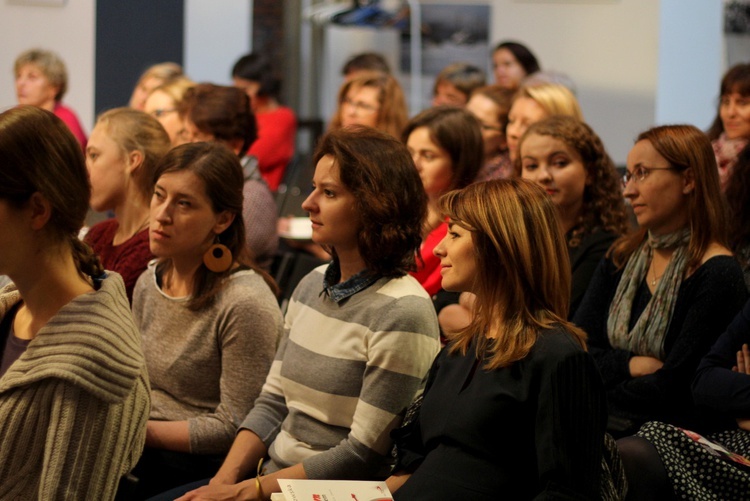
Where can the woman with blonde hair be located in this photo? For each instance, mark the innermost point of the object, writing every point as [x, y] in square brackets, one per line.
[666, 291]
[163, 103]
[42, 81]
[513, 404]
[373, 99]
[566, 158]
[535, 102]
[154, 76]
[121, 159]
[74, 395]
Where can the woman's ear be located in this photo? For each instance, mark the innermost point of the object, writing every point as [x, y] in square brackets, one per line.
[688, 181]
[223, 220]
[134, 161]
[39, 210]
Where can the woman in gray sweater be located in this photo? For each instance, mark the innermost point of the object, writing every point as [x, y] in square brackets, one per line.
[208, 317]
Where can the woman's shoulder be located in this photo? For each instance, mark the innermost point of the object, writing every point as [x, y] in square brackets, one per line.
[246, 283]
[715, 249]
[101, 232]
[557, 343]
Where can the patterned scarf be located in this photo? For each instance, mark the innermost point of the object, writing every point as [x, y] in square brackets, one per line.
[647, 336]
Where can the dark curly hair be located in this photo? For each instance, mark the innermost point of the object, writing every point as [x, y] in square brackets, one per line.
[390, 201]
[603, 203]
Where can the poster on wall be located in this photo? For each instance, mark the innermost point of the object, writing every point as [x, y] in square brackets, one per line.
[451, 33]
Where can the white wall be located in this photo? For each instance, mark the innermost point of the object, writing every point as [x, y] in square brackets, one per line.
[69, 31]
[217, 33]
[609, 49]
[690, 61]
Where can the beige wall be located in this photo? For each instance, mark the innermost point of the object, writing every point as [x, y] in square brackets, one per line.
[69, 31]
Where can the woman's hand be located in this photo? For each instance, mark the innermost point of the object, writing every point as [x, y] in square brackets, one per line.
[643, 366]
[395, 481]
[743, 361]
[222, 492]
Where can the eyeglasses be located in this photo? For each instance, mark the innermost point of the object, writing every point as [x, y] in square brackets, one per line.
[158, 113]
[360, 106]
[640, 173]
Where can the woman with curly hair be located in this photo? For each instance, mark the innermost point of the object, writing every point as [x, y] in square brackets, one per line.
[360, 333]
[566, 158]
[665, 292]
[373, 99]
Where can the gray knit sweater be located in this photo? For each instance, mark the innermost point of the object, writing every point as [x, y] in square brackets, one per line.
[207, 366]
[74, 406]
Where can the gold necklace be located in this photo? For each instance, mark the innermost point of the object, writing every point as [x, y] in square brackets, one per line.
[653, 272]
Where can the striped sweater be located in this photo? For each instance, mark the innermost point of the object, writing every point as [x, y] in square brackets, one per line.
[74, 406]
[343, 376]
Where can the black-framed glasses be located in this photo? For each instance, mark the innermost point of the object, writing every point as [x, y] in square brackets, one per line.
[640, 173]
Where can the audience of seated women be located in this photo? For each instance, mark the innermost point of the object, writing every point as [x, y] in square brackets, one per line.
[373, 99]
[207, 315]
[121, 158]
[222, 114]
[490, 105]
[455, 83]
[360, 333]
[514, 406]
[566, 158]
[446, 145]
[277, 125]
[730, 131]
[666, 291]
[163, 103]
[74, 396]
[153, 77]
[536, 102]
[512, 63]
[42, 81]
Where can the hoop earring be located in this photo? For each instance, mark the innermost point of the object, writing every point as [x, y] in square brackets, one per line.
[218, 258]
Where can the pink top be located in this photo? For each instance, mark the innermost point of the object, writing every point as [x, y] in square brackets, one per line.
[274, 147]
[71, 120]
[428, 274]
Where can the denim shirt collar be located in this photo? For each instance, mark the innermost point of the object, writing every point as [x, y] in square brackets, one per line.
[340, 291]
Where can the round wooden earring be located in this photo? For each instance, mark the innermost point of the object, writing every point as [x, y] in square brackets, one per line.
[218, 258]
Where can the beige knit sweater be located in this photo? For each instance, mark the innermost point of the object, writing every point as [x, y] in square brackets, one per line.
[74, 406]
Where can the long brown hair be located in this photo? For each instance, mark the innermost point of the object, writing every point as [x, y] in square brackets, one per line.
[685, 147]
[220, 171]
[39, 154]
[524, 286]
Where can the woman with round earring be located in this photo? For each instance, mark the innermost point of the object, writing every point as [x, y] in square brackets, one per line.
[222, 114]
[666, 291]
[121, 158]
[74, 395]
[372, 99]
[566, 158]
[445, 143]
[360, 333]
[513, 404]
[208, 317]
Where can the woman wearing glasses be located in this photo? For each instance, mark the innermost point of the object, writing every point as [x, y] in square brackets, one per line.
[373, 99]
[163, 103]
[665, 292]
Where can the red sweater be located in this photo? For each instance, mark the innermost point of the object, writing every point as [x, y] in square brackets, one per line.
[274, 147]
[428, 274]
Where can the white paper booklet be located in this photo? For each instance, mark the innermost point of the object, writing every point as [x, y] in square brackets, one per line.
[333, 490]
